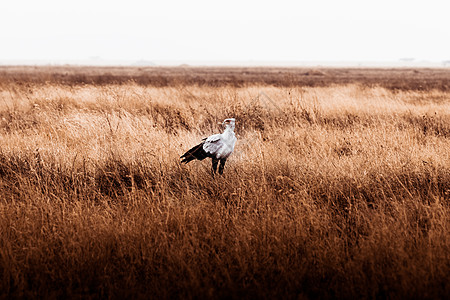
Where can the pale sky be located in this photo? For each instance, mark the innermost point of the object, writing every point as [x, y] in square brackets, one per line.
[236, 30]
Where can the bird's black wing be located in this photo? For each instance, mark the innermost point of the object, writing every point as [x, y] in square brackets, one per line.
[195, 152]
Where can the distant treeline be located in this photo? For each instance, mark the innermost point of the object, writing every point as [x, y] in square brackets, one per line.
[394, 78]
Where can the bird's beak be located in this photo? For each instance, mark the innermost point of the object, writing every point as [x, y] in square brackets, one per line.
[220, 123]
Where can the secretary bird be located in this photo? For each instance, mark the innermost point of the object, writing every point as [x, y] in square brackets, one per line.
[218, 146]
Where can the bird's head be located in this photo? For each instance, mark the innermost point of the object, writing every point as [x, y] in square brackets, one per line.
[229, 123]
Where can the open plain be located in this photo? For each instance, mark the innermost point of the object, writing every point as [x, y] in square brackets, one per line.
[339, 186]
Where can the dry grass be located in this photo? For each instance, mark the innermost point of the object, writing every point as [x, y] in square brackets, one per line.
[336, 191]
[393, 79]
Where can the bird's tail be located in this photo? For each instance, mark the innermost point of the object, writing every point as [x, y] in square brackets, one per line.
[196, 152]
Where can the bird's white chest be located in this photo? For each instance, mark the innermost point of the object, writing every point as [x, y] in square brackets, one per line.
[221, 146]
[227, 148]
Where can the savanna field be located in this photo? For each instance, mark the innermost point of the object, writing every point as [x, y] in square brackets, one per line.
[339, 185]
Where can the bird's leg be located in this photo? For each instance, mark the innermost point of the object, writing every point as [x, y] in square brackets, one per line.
[222, 165]
[214, 166]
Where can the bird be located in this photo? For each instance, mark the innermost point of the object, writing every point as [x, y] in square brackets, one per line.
[218, 147]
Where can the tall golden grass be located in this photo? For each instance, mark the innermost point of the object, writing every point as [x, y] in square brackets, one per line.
[336, 191]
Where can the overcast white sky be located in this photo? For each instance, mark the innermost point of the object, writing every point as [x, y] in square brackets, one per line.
[236, 30]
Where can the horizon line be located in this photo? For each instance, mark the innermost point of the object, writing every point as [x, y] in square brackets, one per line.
[402, 62]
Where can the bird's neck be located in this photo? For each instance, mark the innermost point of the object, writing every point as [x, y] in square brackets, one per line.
[228, 130]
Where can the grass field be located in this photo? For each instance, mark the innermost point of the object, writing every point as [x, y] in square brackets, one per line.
[339, 186]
